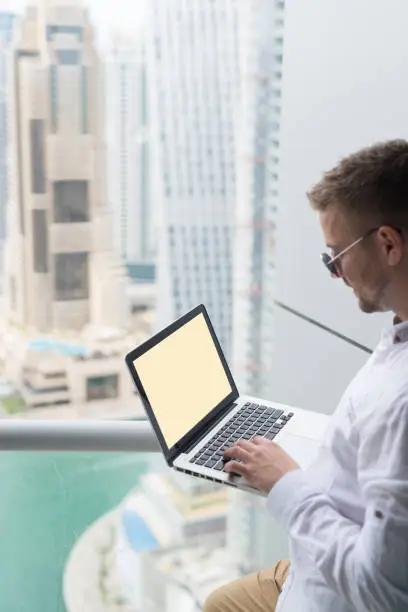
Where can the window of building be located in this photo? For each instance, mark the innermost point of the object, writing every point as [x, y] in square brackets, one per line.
[71, 201]
[54, 98]
[46, 391]
[52, 30]
[144, 97]
[71, 276]
[84, 99]
[157, 46]
[13, 293]
[68, 57]
[102, 387]
[51, 375]
[40, 241]
[37, 145]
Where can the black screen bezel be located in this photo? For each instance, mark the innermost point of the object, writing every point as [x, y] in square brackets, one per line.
[130, 358]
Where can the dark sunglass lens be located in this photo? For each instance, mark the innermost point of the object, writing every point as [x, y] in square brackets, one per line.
[330, 265]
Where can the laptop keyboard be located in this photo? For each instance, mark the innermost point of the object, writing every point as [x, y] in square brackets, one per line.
[250, 421]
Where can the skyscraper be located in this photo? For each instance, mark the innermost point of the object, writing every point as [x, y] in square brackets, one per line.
[261, 26]
[6, 31]
[261, 47]
[66, 324]
[129, 168]
[193, 85]
[61, 271]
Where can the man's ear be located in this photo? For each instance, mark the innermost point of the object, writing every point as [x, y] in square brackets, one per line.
[392, 242]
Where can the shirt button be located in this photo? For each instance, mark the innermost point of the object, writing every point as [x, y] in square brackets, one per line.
[378, 514]
[397, 339]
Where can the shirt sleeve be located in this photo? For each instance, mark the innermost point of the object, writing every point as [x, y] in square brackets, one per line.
[368, 565]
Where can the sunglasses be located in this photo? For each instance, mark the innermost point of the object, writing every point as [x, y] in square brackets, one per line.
[333, 264]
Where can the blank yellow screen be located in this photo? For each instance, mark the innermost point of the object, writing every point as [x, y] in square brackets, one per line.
[183, 378]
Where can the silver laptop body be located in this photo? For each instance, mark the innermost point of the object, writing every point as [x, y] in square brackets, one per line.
[191, 399]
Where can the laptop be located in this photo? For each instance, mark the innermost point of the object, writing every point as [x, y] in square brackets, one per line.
[194, 406]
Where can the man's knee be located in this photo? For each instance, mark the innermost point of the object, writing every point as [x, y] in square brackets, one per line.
[258, 591]
[218, 600]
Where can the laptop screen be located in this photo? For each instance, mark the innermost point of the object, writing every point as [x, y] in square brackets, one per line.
[184, 378]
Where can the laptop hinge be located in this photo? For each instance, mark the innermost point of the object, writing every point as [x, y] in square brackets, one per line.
[208, 426]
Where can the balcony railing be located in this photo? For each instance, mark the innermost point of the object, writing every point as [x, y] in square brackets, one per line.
[78, 436]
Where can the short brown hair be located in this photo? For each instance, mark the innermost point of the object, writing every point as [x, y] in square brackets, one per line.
[371, 183]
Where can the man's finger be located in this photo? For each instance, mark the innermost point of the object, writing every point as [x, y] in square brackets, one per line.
[246, 444]
[236, 452]
[260, 440]
[233, 467]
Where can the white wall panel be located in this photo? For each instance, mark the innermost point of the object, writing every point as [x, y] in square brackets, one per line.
[344, 87]
[312, 368]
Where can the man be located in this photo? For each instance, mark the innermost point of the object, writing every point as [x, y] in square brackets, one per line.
[347, 516]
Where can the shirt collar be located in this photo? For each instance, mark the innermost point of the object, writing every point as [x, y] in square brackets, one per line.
[399, 331]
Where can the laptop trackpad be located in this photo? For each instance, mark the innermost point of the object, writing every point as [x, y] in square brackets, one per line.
[303, 450]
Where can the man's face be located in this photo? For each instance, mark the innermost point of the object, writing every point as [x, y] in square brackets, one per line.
[363, 267]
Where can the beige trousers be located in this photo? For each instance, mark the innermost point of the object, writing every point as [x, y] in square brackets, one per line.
[254, 593]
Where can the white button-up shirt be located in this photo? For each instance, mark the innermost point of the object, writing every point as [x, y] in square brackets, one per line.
[347, 515]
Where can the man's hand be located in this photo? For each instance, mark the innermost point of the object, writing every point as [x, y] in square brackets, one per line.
[263, 462]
